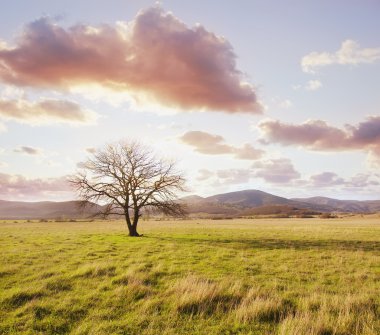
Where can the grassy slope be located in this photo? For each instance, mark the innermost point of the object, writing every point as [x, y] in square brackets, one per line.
[197, 277]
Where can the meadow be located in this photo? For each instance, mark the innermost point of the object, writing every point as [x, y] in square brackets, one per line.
[263, 276]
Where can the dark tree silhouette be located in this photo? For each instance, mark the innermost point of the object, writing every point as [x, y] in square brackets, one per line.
[129, 180]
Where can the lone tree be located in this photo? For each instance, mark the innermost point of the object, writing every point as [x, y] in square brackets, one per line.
[129, 180]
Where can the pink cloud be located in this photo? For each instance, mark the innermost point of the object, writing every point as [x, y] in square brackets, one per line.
[318, 135]
[276, 171]
[19, 187]
[363, 180]
[211, 144]
[206, 143]
[357, 183]
[45, 112]
[28, 150]
[155, 57]
[247, 151]
[326, 179]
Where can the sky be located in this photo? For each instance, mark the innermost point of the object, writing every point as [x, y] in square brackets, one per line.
[280, 96]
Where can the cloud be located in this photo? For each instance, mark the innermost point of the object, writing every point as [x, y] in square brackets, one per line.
[275, 171]
[314, 134]
[28, 150]
[225, 177]
[247, 151]
[210, 144]
[363, 180]
[349, 53]
[155, 58]
[326, 179]
[234, 176]
[313, 85]
[359, 181]
[204, 174]
[318, 135]
[285, 104]
[206, 143]
[374, 157]
[3, 128]
[19, 187]
[45, 112]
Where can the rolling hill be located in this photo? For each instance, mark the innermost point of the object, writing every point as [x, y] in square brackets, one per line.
[241, 203]
[44, 210]
[249, 202]
[343, 205]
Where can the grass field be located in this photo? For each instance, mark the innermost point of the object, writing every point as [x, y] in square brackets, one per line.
[287, 276]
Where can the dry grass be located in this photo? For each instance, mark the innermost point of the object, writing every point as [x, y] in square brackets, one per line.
[263, 307]
[203, 296]
[283, 276]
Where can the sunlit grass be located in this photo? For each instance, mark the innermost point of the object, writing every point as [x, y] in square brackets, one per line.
[287, 276]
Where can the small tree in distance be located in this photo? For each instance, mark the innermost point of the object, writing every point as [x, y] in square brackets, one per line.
[129, 179]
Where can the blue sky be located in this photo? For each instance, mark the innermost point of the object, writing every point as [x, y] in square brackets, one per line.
[298, 81]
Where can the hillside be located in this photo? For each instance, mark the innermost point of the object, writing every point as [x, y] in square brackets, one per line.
[344, 205]
[249, 202]
[249, 198]
[44, 210]
[241, 203]
[255, 202]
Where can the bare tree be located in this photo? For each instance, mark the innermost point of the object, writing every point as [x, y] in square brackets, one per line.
[129, 180]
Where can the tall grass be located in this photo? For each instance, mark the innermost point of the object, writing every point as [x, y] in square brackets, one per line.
[197, 277]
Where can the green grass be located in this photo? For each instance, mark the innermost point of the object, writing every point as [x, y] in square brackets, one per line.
[287, 276]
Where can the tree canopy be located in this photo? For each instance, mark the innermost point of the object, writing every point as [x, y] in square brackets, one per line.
[128, 179]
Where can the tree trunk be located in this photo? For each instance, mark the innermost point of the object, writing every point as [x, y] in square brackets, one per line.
[132, 227]
[133, 231]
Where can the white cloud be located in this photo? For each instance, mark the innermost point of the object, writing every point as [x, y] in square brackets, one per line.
[313, 85]
[3, 128]
[296, 87]
[234, 176]
[285, 104]
[349, 53]
[204, 174]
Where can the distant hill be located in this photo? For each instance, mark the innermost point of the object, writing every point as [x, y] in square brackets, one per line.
[44, 210]
[249, 198]
[355, 206]
[255, 202]
[232, 204]
[250, 202]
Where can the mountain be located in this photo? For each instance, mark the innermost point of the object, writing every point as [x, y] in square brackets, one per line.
[255, 202]
[344, 205]
[250, 202]
[44, 210]
[249, 198]
[232, 204]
